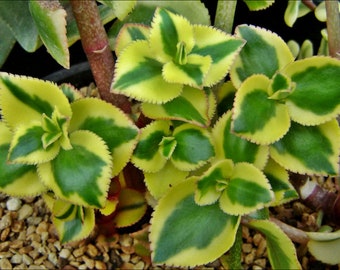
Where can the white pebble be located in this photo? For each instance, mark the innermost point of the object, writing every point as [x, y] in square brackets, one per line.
[5, 222]
[64, 253]
[52, 257]
[16, 259]
[13, 204]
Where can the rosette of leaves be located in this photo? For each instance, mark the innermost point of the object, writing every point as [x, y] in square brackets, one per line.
[72, 149]
[158, 61]
[289, 105]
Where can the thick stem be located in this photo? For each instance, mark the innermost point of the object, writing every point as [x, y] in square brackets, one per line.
[333, 27]
[225, 12]
[96, 47]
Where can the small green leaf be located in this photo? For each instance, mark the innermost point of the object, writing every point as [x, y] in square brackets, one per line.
[248, 190]
[194, 147]
[256, 117]
[147, 155]
[50, 19]
[230, 146]
[309, 149]
[82, 174]
[13, 177]
[182, 234]
[264, 53]
[281, 250]
[121, 9]
[316, 97]
[295, 10]
[7, 41]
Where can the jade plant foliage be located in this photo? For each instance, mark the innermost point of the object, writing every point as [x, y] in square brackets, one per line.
[229, 117]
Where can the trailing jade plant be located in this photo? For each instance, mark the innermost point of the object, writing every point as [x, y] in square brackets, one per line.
[219, 123]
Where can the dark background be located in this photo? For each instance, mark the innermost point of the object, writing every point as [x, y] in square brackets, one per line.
[40, 63]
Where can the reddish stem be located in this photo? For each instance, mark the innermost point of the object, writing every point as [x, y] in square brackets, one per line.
[96, 47]
[333, 28]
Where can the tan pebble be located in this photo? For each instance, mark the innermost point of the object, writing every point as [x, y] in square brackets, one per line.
[64, 253]
[125, 240]
[6, 254]
[249, 258]
[33, 254]
[261, 262]
[256, 267]
[25, 211]
[35, 267]
[33, 220]
[261, 248]
[31, 229]
[100, 265]
[4, 234]
[27, 259]
[245, 232]
[52, 257]
[42, 227]
[17, 244]
[40, 260]
[51, 247]
[128, 250]
[69, 267]
[5, 221]
[16, 259]
[5, 264]
[17, 226]
[20, 267]
[135, 259]
[49, 265]
[1, 212]
[34, 237]
[57, 245]
[106, 257]
[75, 263]
[35, 244]
[89, 262]
[257, 238]
[79, 251]
[4, 246]
[22, 235]
[127, 265]
[43, 250]
[92, 251]
[125, 257]
[139, 265]
[82, 267]
[246, 248]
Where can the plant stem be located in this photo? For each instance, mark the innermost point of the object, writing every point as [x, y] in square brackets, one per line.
[333, 27]
[225, 12]
[96, 47]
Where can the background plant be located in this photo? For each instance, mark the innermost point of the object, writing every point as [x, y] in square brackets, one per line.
[214, 152]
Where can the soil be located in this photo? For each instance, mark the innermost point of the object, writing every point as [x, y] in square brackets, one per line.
[28, 240]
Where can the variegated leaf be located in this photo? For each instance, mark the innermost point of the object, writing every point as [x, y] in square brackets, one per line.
[191, 106]
[130, 32]
[82, 174]
[230, 146]
[16, 179]
[182, 234]
[50, 19]
[194, 147]
[109, 123]
[316, 97]
[159, 183]
[281, 250]
[147, 155]
[121, 9]
[139, 75]
[264, 53]
[212, 183]
[225, 97]
[131, 208]
[309, 149]
[25, 99]
[70, 92]
[256, 117]
[221, 47]
[74, 222]
[27, 145]
[279, 180]
[258, 4]
[247, 190]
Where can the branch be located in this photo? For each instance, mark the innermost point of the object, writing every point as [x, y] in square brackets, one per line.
[225, 13]
[333, 27]
[96, 47]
